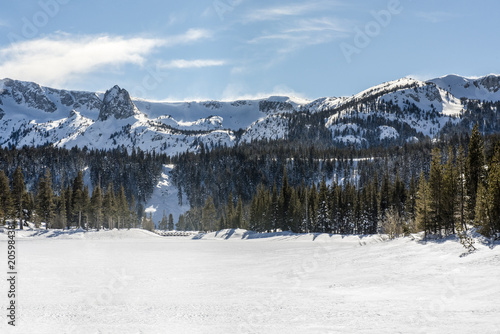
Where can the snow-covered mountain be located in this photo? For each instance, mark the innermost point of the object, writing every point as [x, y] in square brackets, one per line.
[396, 111]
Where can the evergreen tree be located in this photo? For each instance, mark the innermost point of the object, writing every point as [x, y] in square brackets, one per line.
[494, 190]
[109, 207]
[18, 195]
[422, 205]
[482, 211]
[475, 169]
[86, 207]
[461, 195]
[435, 192]
[171, 222]
[78, 198]
[284, 202]
[412, 196]
[96, 207]
[5, 197]
[208, 215]
[322, 216]
[238, 215]
[60, 218]
[45, 205]
[133, 219]
[164, 222]
[122, 208]
[385, 193]
[449, 194]
[274, 209]
[69, 210]
[181, 225]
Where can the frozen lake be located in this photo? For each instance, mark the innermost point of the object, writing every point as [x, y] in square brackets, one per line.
[137, 282]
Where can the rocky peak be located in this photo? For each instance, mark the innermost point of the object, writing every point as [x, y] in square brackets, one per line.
[117, 103]
[491, 83]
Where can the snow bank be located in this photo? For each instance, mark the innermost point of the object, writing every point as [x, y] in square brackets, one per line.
[241, 234]
[80, 234]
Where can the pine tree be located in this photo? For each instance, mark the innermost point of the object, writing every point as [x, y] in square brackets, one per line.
[5, 197]
[109, 207]
[422, 205]
[133, 219]
[412, 194]
[171, 222]
[475, 169]
[461, 213]
[274, 209]
[86, 207]
[77, 198]
[69, 210]
[208, 215]
[435, 192]
[238, 215]
[385, 193]
[449, 194]
[230, 211]
[45, 199]
[323, 217]
[494, 190]
[284, 202]
[181, 225]
[163, 225]
[482, 211]
[122, 208]
[60, 219]
[18, 195]
[96, 207]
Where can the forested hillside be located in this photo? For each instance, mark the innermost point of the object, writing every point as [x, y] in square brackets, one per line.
[440, 187]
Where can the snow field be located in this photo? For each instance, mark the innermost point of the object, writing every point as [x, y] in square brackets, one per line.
[235, 281]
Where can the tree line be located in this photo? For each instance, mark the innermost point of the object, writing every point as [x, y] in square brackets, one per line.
[456, 191]
[71, 206]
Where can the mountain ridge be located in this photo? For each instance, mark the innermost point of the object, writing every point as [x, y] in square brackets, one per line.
[393, 112]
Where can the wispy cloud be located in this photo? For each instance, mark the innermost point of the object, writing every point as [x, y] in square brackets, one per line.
[279, 12]
[192, 35]
[196, 63]
[318, 25]
[58, 59]
[304, 32]
[436, 17]
[4, 23]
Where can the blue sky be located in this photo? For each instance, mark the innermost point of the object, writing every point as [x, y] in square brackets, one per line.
[229, 49]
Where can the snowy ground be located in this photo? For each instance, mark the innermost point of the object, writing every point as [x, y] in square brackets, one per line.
[137, 282]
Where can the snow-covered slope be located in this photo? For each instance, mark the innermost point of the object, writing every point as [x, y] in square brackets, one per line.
[485, 88]
[395, 111]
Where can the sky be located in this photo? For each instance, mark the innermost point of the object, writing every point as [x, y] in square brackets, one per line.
[235, 49]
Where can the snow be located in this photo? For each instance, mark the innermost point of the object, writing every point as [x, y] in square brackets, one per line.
[166, 197]
[387, 132]
[471, 88]
[137, 282]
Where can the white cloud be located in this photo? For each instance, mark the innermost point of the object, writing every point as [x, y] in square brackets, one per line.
[196, 63]
[192, 35]
[58, 59]
[276, 13]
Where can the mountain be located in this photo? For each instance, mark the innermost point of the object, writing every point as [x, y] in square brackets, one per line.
[390, 113]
